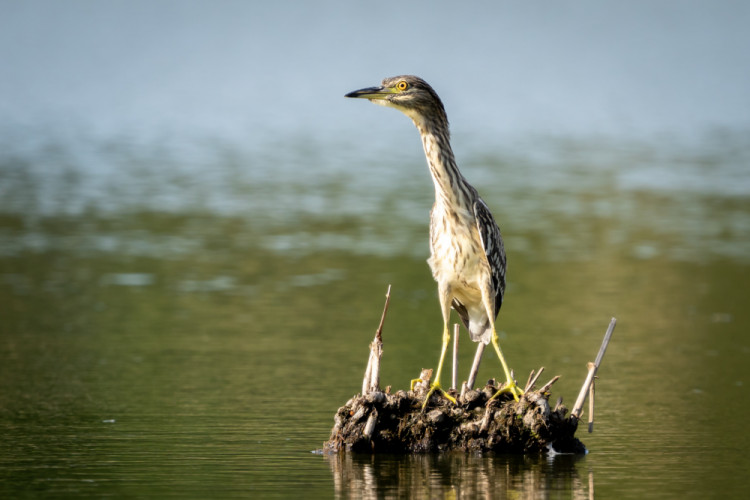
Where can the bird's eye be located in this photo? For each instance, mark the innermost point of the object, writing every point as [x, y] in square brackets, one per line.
[402, 85]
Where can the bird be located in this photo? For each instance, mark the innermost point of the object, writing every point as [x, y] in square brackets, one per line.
[467, 254]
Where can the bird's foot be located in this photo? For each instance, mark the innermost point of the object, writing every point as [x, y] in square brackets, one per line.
[508, 387]
[436, 387]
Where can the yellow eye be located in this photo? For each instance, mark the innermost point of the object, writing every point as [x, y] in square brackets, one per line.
[402, 85]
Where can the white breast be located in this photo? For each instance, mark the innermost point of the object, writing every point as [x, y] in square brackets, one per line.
[457, 256]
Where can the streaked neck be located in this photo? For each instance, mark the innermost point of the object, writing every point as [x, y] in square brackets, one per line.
[450, 186]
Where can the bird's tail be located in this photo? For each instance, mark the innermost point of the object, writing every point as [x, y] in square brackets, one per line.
[479, 327]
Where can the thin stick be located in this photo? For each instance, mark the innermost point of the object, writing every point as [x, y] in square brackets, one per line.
[528, 381]
[371, 382]
[475, 365]
[558, 403]
[379, 331]
[454, 380]
[605, 342]
[546, 386]
[532, 380]
[591, 406]
[592, 367]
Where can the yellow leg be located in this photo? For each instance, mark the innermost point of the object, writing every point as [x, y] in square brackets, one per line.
[510, 384]
[489, 305]
[436, 383]
[444, 293]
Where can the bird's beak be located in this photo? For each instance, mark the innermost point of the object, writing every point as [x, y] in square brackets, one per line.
[372, 93]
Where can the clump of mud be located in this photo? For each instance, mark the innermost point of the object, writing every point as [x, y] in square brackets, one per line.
[380, 422]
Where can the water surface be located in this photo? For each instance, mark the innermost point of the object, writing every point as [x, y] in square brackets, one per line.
[153, 347]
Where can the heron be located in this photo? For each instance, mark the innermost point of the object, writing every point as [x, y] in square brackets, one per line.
[467, 255]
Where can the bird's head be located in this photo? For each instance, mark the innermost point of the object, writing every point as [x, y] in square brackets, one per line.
[409, 94]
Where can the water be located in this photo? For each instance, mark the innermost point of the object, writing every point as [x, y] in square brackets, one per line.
[188, 283]
[151, 348]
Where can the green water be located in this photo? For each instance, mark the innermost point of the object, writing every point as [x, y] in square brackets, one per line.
[162, 336]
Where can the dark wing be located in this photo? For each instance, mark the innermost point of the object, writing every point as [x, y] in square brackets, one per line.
[492, 242]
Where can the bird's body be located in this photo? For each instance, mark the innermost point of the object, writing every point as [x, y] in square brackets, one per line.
[459, 258]
[467, 253]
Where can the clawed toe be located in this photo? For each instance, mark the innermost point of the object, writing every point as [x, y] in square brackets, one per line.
[508, 387]
[436, 387]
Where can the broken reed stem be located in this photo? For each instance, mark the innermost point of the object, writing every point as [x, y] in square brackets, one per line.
[423, 382]
[372, 373]
[371, 382]
[592, 367]
[578, 406]
[368, 372]
[454, 379]
[370, 425]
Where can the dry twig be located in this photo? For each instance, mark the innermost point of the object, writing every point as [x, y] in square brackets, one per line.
[371, 381]
[454, 380]
[532, 379]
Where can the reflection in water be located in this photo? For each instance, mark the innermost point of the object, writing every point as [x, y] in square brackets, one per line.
[458, 476]
[555, 204]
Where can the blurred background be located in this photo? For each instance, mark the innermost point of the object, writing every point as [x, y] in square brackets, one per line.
[197, 231]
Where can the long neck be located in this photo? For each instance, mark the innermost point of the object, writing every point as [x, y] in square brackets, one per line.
[450, 186]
